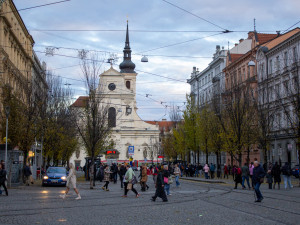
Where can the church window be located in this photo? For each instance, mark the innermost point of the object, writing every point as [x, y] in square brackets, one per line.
[112, 117]
[128, 84]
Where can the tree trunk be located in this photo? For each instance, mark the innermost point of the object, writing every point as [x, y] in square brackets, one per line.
[206, 154]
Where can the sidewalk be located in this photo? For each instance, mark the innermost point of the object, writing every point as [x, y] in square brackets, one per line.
[295, 181]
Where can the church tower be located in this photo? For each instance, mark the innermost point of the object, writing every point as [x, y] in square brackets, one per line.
[129, 131]
[127, 66]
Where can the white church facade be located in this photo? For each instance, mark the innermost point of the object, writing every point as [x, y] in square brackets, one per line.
[134, 138]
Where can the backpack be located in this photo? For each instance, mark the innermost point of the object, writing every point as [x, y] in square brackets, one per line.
[238, 171]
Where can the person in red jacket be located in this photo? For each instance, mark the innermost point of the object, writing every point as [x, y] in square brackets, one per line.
[226, 171]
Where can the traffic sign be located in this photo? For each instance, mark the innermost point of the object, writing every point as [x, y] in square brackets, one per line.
[130, 150]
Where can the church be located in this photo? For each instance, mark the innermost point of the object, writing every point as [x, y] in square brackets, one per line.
[135, 140]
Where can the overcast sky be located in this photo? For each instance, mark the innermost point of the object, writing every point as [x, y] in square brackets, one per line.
[149, 15]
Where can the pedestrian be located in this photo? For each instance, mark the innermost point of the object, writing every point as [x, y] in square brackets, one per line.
[286, 173]
[226, 171]
[276, 175]
[245, 175]
[166, 175]
[154, 173]
[28, 175]
[206, 170]
[115, 173]
[269, 178]
[71, 182]
[144, 178]
[107, 174]
[102, 172]
[129, 181]
[212, 171]
[233, 171]
[122, 172]
[3, 178]
[251, 167]
[258, 178]
[160, 191]
[200, 170]
[177, 174]
[238, 177]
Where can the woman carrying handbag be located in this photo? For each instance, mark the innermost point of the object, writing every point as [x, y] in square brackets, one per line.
[129, 181]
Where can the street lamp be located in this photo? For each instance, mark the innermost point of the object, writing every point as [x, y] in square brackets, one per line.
[7, 110]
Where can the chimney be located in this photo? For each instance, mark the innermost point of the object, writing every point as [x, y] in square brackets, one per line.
[241, 40]
[278, 33]
[194, 69]
[164, 120]
[236, 44]
[217, 48]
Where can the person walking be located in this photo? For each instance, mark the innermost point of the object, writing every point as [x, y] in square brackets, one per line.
[28, 175]
[71, 182]
[269, 178]
[245, 175]
[212, 170]
[3, 178]
[160, 190]
[276, 175]
[166, 175]
[177, 174]
[251, 167]
[226, 171]
[154, 173]
[206, 171]
[107, 173]
[144, 178]
[258, 177]
[286, 173]
[122, 172]
[238, 177]
[129, 181]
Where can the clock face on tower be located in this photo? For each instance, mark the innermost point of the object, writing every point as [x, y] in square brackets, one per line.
[111, 86]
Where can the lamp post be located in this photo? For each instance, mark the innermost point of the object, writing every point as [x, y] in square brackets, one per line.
[7, 110]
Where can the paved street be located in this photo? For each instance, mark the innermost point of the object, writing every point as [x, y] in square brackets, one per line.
[193, 203]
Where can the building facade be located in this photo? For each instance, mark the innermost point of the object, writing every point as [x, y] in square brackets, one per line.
[278, 94]
[241, 79]
[16, 55]
[130, 132]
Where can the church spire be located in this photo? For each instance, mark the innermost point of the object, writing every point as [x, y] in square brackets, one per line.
[127, 66]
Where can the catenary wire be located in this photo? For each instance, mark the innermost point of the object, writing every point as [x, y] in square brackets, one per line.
[37, 6]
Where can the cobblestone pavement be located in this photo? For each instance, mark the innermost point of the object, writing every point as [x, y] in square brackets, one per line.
[192, 203]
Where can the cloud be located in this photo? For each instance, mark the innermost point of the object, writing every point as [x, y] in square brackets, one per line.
[153, 15]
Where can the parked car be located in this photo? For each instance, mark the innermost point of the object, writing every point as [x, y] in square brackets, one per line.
[295, 171]
[56, 176]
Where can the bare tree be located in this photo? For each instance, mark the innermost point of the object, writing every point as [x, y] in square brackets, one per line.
[93, 124]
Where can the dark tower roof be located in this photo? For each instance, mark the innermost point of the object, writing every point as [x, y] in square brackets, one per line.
[127, 66]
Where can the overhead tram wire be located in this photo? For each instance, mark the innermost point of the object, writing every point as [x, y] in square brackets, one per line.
[37, 6]
[291, 27]
[176, 6]
[179, 43]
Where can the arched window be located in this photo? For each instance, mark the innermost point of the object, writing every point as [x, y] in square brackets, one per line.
[112, 117]
[128, 84]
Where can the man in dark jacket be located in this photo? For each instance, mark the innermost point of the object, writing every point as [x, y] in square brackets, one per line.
[122, 172]
[160, 190]
[27, 174]
[245, 175]
[3, 178]
[258, 176]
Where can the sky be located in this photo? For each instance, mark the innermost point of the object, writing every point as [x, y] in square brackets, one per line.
[175, 35]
